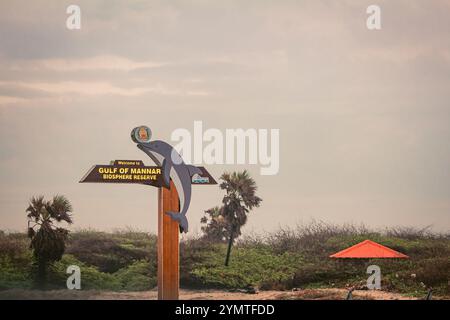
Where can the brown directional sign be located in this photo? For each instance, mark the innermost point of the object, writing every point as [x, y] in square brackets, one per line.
[125, 171]
[173, 198]
[134, 171]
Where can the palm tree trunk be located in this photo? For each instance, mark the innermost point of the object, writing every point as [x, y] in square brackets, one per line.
[230, 243]
[42, 274]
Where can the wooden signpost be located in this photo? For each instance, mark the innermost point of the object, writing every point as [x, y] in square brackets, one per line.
[134, 171]
[168, 245]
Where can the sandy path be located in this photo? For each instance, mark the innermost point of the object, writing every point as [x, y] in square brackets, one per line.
[309, 294]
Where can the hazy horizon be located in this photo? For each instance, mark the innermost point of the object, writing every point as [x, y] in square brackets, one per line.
[363, 115]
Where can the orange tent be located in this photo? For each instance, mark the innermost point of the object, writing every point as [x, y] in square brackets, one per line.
[368, 250]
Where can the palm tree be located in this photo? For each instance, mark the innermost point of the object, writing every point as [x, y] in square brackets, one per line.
[240, 198]
[48, 241]
[215, 228]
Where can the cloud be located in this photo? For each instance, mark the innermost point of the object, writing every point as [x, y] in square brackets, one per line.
[363, 115]
[4, 100]
[101, 62]
[86, 88]
[97, 75]
[93, 88]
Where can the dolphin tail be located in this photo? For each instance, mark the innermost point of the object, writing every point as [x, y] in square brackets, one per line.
[193, 170]
[181, 219]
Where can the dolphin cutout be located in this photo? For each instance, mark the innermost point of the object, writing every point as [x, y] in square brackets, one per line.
[163, 154]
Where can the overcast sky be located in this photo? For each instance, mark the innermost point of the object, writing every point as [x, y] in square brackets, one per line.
[363, 115]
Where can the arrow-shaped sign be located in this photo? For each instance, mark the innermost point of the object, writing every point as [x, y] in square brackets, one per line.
[134, 171]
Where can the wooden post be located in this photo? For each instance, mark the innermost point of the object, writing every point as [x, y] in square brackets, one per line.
[168, 245]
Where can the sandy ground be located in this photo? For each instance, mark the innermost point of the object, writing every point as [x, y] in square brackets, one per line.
[309, 294]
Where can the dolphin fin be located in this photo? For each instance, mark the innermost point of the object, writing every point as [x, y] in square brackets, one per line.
[181, 219]
[193, 170]
[166, 171]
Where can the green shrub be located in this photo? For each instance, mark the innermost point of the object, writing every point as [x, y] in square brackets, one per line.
[248, 267]
[14, 276]
[139, 276]
[91, 277]
[298, 257]
[111, 252]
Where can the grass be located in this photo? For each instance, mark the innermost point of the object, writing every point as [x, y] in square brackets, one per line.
[249, 267]
[286, 259]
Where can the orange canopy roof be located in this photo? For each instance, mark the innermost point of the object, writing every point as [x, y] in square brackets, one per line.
[368, 249]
